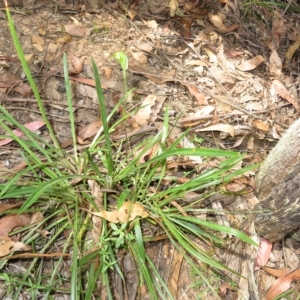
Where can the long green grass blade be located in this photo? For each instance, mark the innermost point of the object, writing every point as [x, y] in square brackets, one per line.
[29, 76]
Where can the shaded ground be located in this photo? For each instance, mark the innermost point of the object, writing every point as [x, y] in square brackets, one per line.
[225, 71]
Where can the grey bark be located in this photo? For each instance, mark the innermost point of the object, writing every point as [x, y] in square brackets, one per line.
[278, 188]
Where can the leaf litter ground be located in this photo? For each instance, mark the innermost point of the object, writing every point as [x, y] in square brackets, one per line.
[228, 75]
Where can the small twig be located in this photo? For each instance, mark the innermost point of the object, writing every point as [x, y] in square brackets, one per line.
[287, 7]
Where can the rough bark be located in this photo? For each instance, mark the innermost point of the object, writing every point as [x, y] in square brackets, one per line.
[278, 188]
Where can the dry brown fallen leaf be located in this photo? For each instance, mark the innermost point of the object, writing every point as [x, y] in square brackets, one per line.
[224, 288]
[217, 22]
[281, 90]
[75, 64]
[97, 221]
[142, 116]
[31, 126]
[186, 23]
[251, 63]
[292, 48]
[7, 224]
[90, 130]
[263, 253]
[84, 133]
[150, 153]
[219, 127]
[64, 39]
[9, 80]
[201, 115]
[7, 246]
[127, 212]
[139, 57]
[277, 272]
[275, 65]
[282, 284]
[156, 78]
[177, 258]
[4, 207]
[76, 30]
[261, 125]
[201, 98]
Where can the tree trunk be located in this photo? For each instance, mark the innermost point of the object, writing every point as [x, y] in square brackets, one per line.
[278, 188]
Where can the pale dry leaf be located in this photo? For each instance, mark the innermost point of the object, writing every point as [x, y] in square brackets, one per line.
[31, 126]
[150, 153]
[4, 207]
[189, 5]
[222, 77]
[201, 98]
[277, 272]
[239, 141]
[37, 40]
[263, 253]
[38, 47]
[132, 12]
[76, 22]
[261, 125]
[151, 24]
[127, 212]
[291, 255]
[254, 105]
[220, 215]
[217, 22]
[177, 258]
[201, 115]
[292, 48]
[29, 58]
[224, 288]
[195, 160]
[156, 108]
[36, 217]
[8, 79]
[195, 62]
[97, 221]
[87, 91]
[64, 39]
[173, 7]
[52, 48]
[84, 133]
[226, 64]
[251, 64]
[219, 127]
[44, 233]
[42, 31]
[75, 64]
[79, 31]
[8, 223]
[145, 47]
[8, 246]
[140, 57]
[89, 130]
[275, 65]
[250, 142]
[107, 72]
[282, 284]
[212, 57]
[143, 115]
[235, 186]
[278, 29]
[281, 90]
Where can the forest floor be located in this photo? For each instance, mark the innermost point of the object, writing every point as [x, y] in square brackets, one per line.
[228, 72]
